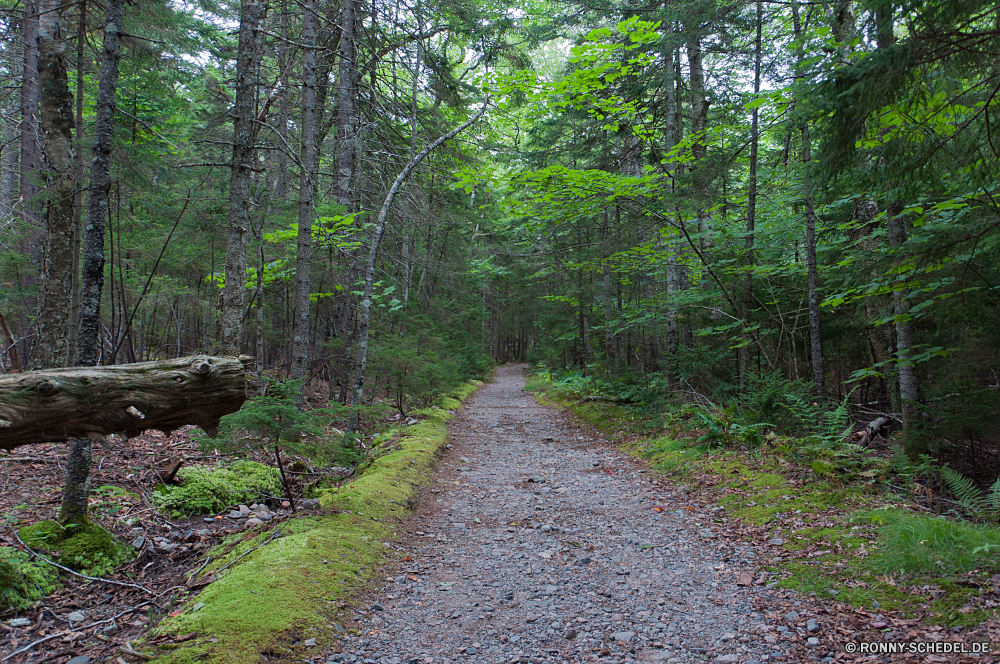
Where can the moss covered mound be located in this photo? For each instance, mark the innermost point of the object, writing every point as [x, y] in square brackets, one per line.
[287, 591]
[86, 548]
[23, 581]
[210, 489]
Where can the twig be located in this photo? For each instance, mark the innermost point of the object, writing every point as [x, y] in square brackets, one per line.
[82, 576]
[134, 653]
[275, 534]
[198, 571]
[33, 644]
[118, 615]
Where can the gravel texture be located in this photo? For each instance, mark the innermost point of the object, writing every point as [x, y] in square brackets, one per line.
[538, 542]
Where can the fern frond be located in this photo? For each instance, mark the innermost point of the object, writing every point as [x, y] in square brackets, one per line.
[994, 495]
[966, 493]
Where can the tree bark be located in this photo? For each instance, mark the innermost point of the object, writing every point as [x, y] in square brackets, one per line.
[77, 489]
[909, 382]
[307, 185]
[245, 130]
[748, 254]
[31, 153]
[52, 328]
[59, 404]
[346, 105]
[366, 301]
[92, 283]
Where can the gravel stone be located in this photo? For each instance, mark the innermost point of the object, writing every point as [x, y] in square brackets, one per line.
[562, 557]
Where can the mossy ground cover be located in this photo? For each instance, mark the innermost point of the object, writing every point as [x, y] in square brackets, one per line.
[840, 540]
[210, 489]
[23, 581]
[293, 587]
[86, 547]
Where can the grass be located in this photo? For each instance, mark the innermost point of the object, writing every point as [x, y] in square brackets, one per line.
[841, 539]
[292, 588]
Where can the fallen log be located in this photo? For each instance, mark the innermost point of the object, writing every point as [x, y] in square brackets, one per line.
[54, 405]
[604, 399]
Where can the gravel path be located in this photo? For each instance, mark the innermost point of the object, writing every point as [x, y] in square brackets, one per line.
[540, 543]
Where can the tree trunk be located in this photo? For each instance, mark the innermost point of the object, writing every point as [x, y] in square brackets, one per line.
[245, 130]
[77, 488]
[52, 328]
[909, 382]
[92, 283]
[815, 343]
[366, 301]
[59, 404]
[346, 105]
[281, 182]
[751, 216]
[31, 153]
[307, 185]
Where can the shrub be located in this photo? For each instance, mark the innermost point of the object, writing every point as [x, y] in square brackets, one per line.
[208, 490]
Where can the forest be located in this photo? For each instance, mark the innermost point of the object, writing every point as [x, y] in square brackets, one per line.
[773, 222]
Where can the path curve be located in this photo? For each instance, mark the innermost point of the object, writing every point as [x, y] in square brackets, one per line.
[538, 542]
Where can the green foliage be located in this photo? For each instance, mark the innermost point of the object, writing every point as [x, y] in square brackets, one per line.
[275, 419]
[23, 581]
[969, 496]
[85, 547]
[209, 490]
[914, 546]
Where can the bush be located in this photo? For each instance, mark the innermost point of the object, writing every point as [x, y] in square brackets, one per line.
[23, 581]
[84, 547]
[209, 490]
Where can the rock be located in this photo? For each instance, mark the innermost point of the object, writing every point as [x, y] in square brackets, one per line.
[465, 459]
[471, 650]
[138, 542]
[812, 641]
[530, 618]
[265, 516]
[204, 532]
[110, 630]
[165, 547]
[75, 616]
[236, 514]
[586, 560]
[875, 603]
[812, 625]
[285, 504]
[253, 523]
[244, 510]
[309, 643]
[727, 659]
[377, 607]
[197, 607]
[135, 532]
[623, 637]
[79, 659]
[570, 635]
[310, 504]
[208, 519]
[792, 616]
[18, 623]
[174, 535]
[777, 541]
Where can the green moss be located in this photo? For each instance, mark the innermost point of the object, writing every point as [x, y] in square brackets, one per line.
[208, 489]
[288, 590]
[23, 581]
[86, 548]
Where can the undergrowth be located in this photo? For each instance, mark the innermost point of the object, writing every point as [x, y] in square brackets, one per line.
[23, 581]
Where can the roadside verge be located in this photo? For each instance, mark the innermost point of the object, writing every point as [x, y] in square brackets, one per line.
[282, 594]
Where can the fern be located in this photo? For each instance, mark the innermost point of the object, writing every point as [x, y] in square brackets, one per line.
[966, 493]
[994, 495]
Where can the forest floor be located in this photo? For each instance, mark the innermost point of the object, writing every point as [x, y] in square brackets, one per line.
[543, 541]
[169, 551]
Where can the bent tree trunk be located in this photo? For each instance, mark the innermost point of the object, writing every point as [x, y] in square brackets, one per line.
[58, 404]
[366, 301]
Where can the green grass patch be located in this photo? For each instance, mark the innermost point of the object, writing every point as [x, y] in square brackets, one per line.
[288, 590]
